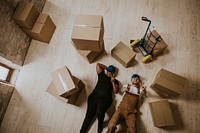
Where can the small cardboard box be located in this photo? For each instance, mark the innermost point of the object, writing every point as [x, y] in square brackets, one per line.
[123, 54]
[26, 15]
[161, 113]
[64, 82]
[42, 30]
[70, 99]
[160, 46]
[88, 31]
[168, 83]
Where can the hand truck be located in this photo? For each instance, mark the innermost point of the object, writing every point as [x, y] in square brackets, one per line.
[147, 44]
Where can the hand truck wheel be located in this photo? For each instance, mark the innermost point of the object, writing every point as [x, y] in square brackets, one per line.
[134, 43]
[147, 59]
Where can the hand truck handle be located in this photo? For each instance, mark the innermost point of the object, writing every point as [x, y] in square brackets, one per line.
[145, 19]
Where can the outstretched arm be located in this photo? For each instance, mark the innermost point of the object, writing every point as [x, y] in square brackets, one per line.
[100, 67]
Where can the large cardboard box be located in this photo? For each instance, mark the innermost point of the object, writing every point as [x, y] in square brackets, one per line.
[88, 31]
[70, 99]
[42, 30]
[26, 15]
[160, 46]
[123, 54]
[161, 113]
[64, 82]
[168, 83]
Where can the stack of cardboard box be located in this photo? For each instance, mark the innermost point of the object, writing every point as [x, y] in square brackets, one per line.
[37, 25]
[123, 54]
[87, 36]
[65, 86]
[166, 85]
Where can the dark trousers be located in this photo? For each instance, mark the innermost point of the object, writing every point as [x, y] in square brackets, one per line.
[96, 107]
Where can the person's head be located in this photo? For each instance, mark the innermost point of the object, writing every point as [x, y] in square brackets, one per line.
[110, 70]
[135, 79]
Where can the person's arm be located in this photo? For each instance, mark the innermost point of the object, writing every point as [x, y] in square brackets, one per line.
[100, 67]
[143, 89]
[115, 86]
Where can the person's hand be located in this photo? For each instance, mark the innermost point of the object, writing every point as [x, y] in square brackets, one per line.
[143, 89]
[128, 87]
[112, 78]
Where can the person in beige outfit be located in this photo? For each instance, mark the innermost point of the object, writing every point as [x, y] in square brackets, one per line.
[127, 108]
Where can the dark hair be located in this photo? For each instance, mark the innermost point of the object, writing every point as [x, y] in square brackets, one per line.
[135, 75]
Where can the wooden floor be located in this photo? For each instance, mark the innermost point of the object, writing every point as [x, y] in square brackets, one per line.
[33, 110]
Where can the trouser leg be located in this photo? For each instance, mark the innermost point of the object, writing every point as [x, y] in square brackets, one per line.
[103, 106]
[90, 113]
[114, 121]
[131, 123]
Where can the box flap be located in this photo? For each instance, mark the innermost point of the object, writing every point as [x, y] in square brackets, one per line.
[63, 81]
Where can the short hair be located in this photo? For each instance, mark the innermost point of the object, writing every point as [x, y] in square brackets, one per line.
[135, 75]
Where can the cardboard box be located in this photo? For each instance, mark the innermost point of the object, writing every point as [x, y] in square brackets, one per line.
[90, 56]
[42, 30]
[26, 15]
[64, 82]
[160, 46]
[70, 99]
[123, 54]
[88, 32]
[168, 83]
[161, 113]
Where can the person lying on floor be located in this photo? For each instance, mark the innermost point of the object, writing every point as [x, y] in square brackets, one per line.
[127, 108]
[101, 98]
